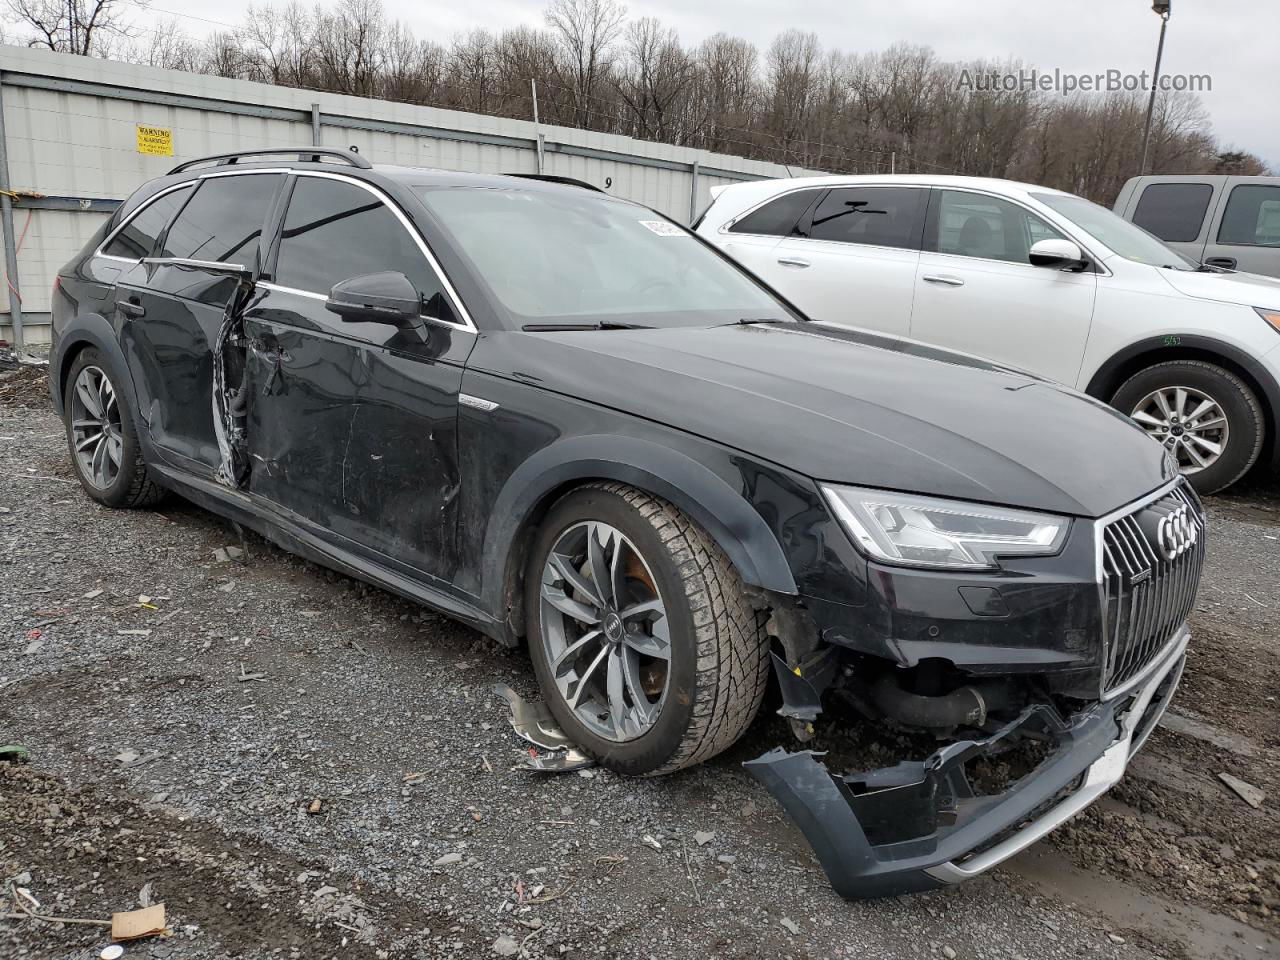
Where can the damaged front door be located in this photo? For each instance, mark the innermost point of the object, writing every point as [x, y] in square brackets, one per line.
[172, 306]
[352, 425]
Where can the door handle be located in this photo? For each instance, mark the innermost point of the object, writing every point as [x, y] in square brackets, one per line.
[1226, 263]
[131, 308]
[793, 262]
[947, 281]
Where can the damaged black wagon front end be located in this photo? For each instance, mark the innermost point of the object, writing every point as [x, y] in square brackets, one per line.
[1024, 745]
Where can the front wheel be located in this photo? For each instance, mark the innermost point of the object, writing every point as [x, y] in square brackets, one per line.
[646, 649]
[1206, 416]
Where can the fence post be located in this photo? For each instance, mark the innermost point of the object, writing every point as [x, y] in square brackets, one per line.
[315, 125]
[10, 242]
[693, 192]
[537, 130]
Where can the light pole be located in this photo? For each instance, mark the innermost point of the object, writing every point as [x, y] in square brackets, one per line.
[1162, 8]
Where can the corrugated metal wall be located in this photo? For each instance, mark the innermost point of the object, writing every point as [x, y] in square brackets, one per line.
[71, 125]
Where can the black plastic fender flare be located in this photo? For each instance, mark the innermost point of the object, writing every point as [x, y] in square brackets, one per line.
[711, 502]
[1100, 382]
[93, 330]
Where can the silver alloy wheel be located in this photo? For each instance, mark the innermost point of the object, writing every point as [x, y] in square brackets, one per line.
[95, 428]
[1187, 421]
[605, 631]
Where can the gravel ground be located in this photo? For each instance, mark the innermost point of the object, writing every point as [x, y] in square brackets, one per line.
[297, 764]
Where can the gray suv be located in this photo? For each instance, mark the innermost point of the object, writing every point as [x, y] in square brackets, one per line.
[1228, 222]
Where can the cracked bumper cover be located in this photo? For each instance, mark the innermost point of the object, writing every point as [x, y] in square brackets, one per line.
[918, 825]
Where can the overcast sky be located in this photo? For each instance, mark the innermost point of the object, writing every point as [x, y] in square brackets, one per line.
[1233, 41]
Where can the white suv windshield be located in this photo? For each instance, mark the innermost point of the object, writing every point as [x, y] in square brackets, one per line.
[578, 258]
[1132, 243]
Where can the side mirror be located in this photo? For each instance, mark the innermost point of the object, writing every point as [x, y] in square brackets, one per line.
[1058, 254]
[376, 298]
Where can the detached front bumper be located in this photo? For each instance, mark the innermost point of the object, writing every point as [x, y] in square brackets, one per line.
[921, 824]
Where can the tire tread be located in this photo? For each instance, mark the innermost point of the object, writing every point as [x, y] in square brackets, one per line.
[732, 659]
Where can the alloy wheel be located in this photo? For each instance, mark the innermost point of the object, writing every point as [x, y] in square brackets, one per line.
[95, 428]
[1187, 421]
[605, 631]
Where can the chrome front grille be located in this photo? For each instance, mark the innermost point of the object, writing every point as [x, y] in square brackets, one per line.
[1149, 573]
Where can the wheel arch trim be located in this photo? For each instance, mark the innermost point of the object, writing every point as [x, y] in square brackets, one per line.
[88, 330]
[1108, 377]
[707, 498]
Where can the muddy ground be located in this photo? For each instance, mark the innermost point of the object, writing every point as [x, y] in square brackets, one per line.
[180, 745]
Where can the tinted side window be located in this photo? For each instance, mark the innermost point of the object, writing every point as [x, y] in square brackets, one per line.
[334, 231]
[1252, 217]
[223, 221]
[1173, 211]
[137, 239]
[977, 225]
[881, 216]
[777, 218]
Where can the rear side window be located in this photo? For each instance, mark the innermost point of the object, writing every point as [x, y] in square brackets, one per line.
[879, 216]
[779, 217]
[223, 221]
[1252, 217]
[137, 238]
[1174, 212]
[334, 231]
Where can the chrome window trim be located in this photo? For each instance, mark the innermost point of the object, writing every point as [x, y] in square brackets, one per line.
[186, 184]
[196, 264]
[281, 288]
[445, 282]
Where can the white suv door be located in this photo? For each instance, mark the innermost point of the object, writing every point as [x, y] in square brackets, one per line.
[976, 290]
[852, 258]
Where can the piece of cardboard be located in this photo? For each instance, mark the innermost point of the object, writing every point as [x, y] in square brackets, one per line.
[135, 924]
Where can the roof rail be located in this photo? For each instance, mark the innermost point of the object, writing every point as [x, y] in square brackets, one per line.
[304, 154]
[552, 178]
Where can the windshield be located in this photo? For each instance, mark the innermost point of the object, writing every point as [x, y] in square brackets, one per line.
[579, 259]
[1131, 242]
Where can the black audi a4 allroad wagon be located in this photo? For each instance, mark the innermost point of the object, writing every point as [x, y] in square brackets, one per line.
[565, 420]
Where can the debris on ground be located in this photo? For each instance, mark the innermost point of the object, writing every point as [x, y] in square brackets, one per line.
[227, 554]
[14, 753]
[26, 385]
[113, 952]
[790, 926]
[505, 946]
[1244, 790]
[136, 924]
[703, 837]
[533, 722]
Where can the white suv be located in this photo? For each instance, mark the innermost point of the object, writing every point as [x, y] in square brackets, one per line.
[1033, 278]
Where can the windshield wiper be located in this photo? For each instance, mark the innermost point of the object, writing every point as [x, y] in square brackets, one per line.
[602, 325]
[750, 321]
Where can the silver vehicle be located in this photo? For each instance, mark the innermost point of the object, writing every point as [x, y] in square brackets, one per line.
[1229, 222]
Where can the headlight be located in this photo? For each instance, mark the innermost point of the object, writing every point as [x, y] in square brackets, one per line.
[1271, 316]
[949, 534]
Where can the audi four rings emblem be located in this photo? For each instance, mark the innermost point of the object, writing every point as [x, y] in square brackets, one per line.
[1176, 533]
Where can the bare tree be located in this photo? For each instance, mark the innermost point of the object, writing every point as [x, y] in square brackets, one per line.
[587, 30]
[594, 69]
[76, 26]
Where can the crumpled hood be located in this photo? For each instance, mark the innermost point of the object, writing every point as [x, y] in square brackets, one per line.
[1246, 289]
[854, 407]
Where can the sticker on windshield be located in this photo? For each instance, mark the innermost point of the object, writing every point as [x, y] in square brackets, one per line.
[664, 229]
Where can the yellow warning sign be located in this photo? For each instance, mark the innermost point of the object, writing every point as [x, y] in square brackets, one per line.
[155, 141]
